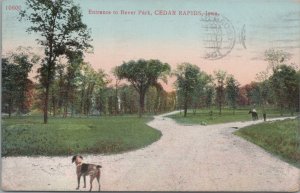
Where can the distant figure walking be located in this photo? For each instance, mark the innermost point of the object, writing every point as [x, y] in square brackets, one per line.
[254, 114]
[265, 116]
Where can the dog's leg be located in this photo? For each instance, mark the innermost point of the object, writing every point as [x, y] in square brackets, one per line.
[78, 180]
[84, 176]
[91, 182]
[98, 179]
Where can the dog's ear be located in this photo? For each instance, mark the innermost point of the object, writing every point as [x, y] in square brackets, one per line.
[81, 157]
[74, 158]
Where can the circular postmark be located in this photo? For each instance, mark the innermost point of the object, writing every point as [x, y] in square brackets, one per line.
[219, 37]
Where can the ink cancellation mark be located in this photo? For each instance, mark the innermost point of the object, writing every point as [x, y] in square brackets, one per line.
[220, 37]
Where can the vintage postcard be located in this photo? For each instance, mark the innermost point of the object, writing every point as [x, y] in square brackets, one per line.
[150, 95]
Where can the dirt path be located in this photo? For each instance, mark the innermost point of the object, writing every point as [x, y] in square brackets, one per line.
[186, 158]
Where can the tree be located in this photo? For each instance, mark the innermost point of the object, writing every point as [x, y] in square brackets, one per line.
[116, 98]
[220, 88]
[209, 94]
[297, 99]
[128, 99]
[198, 96]
[91, 84]
[187, 80]
[16, 87]
[232, 91]
[61, 32]
[70, 80]
[151, 99]
[254, 94]
[142, 74]
[276, 58]
[265, 89]
[284, 82]
[243, 99]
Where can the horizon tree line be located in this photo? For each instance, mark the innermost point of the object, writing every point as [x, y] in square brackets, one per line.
[78, 89]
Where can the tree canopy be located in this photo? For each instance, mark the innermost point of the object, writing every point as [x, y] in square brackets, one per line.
[285, 83]
[61, 32]
[188, 78]
[142, 74]
[16, 85]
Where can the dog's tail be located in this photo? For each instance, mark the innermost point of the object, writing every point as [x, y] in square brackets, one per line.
[98, 166]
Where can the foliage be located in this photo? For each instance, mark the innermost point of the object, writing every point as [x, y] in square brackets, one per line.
[16, 86]
[220, 77]
[232, 91]
[129, 99]
[201, 93]
[209, 93]
[142, 74]
[284, 83]
[61, 33]
[187, 80]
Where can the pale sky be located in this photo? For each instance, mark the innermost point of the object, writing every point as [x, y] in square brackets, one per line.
[180, 38]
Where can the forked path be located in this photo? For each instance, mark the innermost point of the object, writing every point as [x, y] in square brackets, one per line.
[186, 158]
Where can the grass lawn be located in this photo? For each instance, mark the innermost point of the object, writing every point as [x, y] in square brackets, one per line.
[67, 136]
[203, 116]
[280, 138]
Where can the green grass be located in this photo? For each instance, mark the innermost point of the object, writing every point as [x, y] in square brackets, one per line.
[203, 116]
[28, 136]
[280, 138]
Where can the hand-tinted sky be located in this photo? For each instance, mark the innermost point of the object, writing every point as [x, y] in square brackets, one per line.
[180, 38]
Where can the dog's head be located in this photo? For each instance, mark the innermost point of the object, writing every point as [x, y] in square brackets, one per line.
[77, 159]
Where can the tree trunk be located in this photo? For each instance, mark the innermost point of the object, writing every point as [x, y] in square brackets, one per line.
[72, 108]
[53, 103]
[10, 107]
[82, 99]
[65, 111]
[142, 103]
[116, 99]
[46, 104]
[185, 107]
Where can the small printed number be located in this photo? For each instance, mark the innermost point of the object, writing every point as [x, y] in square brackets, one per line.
[13, 7]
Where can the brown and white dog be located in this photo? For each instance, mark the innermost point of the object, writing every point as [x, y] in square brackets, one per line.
[84, 169]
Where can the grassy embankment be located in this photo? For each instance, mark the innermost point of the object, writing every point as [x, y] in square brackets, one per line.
[281, 138]
[29, 136]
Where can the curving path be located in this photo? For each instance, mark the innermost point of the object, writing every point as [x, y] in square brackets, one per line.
[186, 158]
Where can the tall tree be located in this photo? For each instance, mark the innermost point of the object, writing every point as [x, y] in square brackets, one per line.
[220, 77]
[142, 74]
[209, 92]
[198, 98]
[285, 85]
[187, 80]
[116, 98]
[70, 78]
[61, 31]
[15, 83]
[90, 85]
[129, 98]
[232, 91]
[264, 88]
